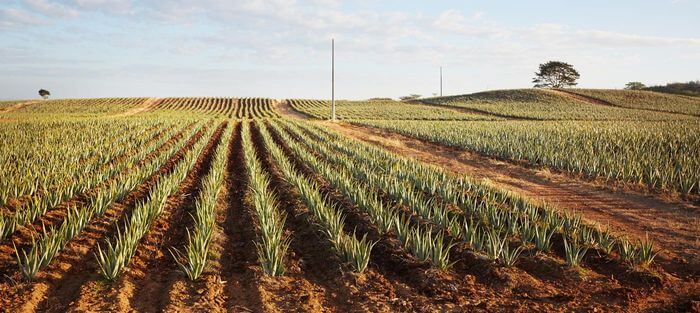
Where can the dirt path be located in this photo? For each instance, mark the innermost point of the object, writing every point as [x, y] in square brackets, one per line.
[146, 105]
[285, 109]
[17, 106]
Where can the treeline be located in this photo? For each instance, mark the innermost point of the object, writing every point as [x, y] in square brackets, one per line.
[691, 88]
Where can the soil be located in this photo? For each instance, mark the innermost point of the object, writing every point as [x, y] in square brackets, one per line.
[144, 106]
[16, 107]
[285, 109]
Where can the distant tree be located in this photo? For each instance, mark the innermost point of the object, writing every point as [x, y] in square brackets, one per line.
[410, 97]
[634, 86]
[44, 93]
[555, 74]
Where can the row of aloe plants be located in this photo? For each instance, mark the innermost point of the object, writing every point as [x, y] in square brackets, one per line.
[483, 218]
[426, 244]
[52, 240]
[272, 244]
[194, 260]
[331, 221]
[114, 256]
[38, 205]
[43, 157]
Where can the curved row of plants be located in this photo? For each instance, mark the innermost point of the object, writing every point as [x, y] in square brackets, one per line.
[659, 155]
[498, 224]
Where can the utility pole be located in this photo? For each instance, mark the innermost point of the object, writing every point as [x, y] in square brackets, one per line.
[440, 81]
[332, 79]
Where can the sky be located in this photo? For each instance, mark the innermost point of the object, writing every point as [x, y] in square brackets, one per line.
[281, 48]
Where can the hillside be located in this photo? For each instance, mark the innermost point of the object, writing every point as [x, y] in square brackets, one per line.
[647, 100]
[542, 104]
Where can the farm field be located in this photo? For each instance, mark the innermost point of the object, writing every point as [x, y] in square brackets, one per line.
[656, 154]
[647, 100]
[381, 110]
[259, 205]
[538, 104]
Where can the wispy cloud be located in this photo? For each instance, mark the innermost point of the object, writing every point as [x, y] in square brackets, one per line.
[272, 36]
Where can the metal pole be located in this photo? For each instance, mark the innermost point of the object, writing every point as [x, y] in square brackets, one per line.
[440, 81]
[332, 79]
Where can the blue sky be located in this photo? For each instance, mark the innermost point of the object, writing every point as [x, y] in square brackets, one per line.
[280, 48]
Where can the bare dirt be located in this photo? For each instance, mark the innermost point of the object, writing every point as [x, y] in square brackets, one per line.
[16, 107]
[144, 106]
[285, 109]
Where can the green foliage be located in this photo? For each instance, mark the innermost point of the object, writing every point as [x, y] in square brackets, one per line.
[691, 88]
[660, 154]
[634, 86]
[555, 74]
[574, 253]
[352, 251]
[544, 105]
[378, 110]
[194, 260]
[272, 245]
[117, 253]
[647, 100]
[243, 108]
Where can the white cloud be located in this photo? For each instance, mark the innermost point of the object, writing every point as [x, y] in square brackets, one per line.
[10, 17]
[294, 35]
[53, 9]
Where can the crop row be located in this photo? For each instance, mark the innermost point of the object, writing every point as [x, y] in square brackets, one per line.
[353, 251]
[39, 204]
[35, 168]
[115, 255]
[272, 244]
[52, 240]
[648, 100]
[492, 222]
[79, 107]
[379, 110]
[657, 154]
[194, 260]
[244, 108]
[545, 105]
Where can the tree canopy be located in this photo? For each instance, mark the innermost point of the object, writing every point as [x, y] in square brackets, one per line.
[44, 93]
[634, 86]
[410, 97]
[555, 74]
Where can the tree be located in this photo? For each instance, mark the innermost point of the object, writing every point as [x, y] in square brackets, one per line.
[44, 93]
[634, 86]
[555, 74]
[410, 97]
